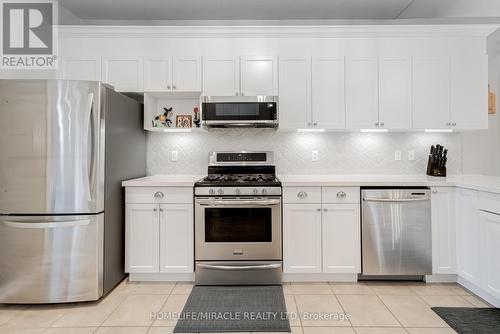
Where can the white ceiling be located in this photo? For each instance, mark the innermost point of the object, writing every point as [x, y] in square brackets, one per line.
[279, 9]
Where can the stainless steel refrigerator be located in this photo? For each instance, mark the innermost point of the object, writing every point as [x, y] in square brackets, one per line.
[65, 147]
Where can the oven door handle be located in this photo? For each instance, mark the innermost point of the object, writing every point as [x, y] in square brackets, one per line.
[240, 268]
[238, 203]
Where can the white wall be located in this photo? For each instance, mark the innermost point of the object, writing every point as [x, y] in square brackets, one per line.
[339, 153]
[481, 149]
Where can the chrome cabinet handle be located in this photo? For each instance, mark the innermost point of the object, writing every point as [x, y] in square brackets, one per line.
[377, 124]
[302, 194]
[236, 94]
[161, 210]
[325, 210]
[341, 195]
[315, 124]
[434, 191]
[174, 87]
[309, 123]
[318, 209]
[159, 195]
[155, 209]
[454, 124]
[448, 124]
[382, 123]
[168, 86]
[242, 94]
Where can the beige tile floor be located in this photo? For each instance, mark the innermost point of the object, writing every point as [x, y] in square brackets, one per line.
[374, 307]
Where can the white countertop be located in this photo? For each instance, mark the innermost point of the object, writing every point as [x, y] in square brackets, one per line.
[476, 182]
[163, 181]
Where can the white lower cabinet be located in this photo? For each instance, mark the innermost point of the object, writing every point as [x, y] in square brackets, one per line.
[302, 238]
[490, 248]
[321, 237]
[443, 230]
[468, 242]
[341, 238]
[141, 238]
[159, 235]
[176, 238]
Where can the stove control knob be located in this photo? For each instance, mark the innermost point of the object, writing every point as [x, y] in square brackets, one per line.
[255, 191]
[220, 191]
[238, 191]
[264, 191]
[211, 191]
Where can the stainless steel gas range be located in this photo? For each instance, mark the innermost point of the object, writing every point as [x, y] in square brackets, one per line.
[238, 226]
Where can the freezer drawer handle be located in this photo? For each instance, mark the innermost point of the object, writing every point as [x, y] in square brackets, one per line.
[48, 225]
[240, 268]
[395, 200]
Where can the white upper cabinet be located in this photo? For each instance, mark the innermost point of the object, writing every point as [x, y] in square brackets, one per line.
[124, 74]
[221, 76]
[469, 102]
[259, 75]
[186, 74]
[173, 74]
[157, 75]
[431, 93]
[295, 92]
[328, 102]
[361, 92]
[443, 231]
[81, 69]
[394, 92]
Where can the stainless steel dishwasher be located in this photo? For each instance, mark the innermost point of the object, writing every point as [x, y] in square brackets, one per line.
[396, 232]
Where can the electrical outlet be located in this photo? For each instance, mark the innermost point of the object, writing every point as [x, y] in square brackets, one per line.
[175, 155]
[411, 155]
[397, 155]
[314, 156]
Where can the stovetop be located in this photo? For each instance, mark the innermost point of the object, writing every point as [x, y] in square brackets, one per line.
[240, 180]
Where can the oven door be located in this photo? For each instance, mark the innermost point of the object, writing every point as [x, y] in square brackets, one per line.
[238, 229]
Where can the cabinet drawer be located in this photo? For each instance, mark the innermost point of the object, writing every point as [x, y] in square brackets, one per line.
[170, 195]
[489, 202]
[302, 194]
[336, 195]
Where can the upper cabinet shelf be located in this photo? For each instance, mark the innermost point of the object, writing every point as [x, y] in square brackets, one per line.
[419, 78]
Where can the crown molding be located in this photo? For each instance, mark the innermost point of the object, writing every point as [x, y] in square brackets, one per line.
[346, 31]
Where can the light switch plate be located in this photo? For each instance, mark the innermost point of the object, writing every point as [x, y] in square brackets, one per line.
[175, 155]
[314, 156]
[397, 155]
[411, 155]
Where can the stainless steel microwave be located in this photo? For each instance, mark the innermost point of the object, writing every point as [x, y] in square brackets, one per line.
[240, 111]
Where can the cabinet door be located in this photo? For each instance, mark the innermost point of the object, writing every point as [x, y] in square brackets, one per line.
[431, 93]
[125, 75]
[468, 237]
[221, 76]
[158, 75]
[395, 93]
[141, 238]
[361, 93]
[295, 93]
[341, 238]
[81, 69]
[443, 231]
[186, 74]
[328, 98]
[302, 238]
[259, 75]
[490, 248]
[469, 81]
[176, 238]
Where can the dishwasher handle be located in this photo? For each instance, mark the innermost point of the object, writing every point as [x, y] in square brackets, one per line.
[396, 200]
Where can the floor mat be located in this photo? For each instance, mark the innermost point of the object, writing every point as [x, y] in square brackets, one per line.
[466, 320]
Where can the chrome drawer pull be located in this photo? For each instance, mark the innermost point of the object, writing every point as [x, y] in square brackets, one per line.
[159, 195]
[302, 194]
[341, 195]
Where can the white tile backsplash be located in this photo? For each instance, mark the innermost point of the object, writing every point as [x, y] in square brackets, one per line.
[339, 153]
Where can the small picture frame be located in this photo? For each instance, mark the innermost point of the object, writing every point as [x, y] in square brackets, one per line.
[184, 121]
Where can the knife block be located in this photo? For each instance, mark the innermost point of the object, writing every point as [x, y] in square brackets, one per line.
[433, 170]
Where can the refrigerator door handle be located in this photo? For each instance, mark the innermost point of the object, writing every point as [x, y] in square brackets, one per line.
[38, 225]
[89, 171]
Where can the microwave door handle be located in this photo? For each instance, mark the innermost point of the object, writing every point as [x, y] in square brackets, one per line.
[239, 268]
